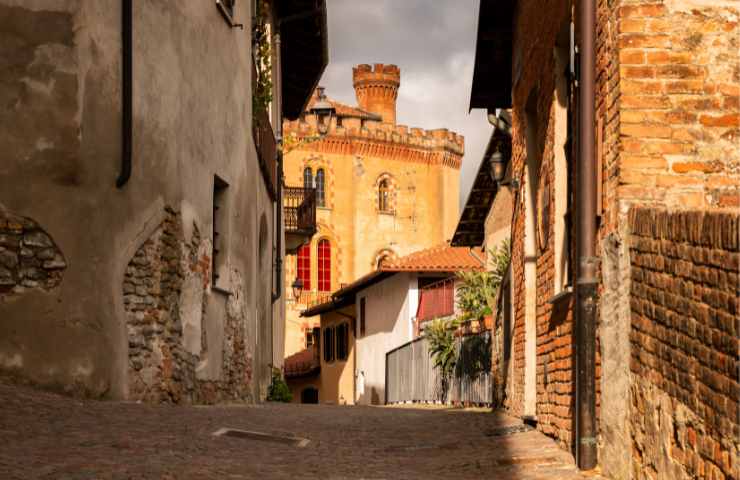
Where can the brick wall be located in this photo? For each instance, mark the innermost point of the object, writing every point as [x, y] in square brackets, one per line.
[680, 89]
[684, 343]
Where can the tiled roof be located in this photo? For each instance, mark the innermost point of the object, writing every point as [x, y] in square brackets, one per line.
[442, 258]
[302, 363]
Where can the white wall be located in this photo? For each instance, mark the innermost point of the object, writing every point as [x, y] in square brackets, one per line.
[389, 309]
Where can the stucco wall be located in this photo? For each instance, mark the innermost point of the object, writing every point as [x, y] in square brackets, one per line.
[337, 376]
[61, 141]
[388, 324]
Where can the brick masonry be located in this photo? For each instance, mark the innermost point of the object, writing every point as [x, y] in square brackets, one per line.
[164, 363]
[684, 343]
[29, 258]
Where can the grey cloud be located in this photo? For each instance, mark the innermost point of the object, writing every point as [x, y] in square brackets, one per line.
[433, 42]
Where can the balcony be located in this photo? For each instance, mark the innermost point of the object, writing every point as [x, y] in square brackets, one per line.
[299, 208]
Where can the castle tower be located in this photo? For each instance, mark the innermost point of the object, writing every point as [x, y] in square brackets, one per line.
[376, 89]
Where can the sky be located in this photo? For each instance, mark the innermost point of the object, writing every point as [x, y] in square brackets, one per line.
[433, 43]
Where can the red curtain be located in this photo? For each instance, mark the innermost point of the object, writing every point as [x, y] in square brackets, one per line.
[304, 266]
[324, 266]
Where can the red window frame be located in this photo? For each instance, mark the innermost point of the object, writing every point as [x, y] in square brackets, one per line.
[324, 267]
[303, 266]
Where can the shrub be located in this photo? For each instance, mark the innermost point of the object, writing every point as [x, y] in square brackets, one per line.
[278, 391]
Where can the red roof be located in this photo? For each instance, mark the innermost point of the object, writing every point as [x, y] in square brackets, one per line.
[344, 110]
[302, 363]
[442, 258]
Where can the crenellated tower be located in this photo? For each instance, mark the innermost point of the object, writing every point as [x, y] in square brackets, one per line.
[376, 89]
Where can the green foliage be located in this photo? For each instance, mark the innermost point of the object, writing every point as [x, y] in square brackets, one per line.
[278, 391]
[477, 291]
[440, 333]
[262, 90]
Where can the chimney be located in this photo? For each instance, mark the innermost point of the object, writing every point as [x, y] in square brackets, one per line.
[377, 89]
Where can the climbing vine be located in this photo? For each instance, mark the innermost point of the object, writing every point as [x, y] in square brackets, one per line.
[262, 89]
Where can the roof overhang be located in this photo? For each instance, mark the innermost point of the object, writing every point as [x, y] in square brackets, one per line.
[304, 50]
[492, 71]
[471, 228]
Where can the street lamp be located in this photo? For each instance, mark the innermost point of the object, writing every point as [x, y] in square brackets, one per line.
[498, 168]
[323, 111]
[297, 288]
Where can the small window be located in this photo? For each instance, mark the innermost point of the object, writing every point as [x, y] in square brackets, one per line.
[309, 339]
[339, 121]
[324, 265]
[307, 178]
[384, 194]
[320, 197]
[342, 341]
[219, 227]
[362, 317]
[328, 344]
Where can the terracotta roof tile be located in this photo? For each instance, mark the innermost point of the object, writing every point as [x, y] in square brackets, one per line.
[442, 258]
[344, 110]
[302, 363]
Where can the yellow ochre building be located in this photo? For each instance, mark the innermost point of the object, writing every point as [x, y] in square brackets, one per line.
[383, 190]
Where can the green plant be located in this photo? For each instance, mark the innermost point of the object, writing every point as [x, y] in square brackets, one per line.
[278, 391]
[441, 337]
[477, 291]
[262, 89]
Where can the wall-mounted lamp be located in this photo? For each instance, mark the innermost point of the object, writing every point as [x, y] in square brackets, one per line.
[498, 171]
[324, 112]
[297, 288]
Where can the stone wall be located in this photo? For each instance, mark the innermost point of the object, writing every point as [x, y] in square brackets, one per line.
[684, 343]
[166, 349]
[29, 258]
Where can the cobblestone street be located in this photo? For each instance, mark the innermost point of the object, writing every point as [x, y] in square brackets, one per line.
[54, 437]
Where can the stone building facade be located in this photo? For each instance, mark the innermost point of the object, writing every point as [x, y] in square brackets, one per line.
[666, 157]
[384, 190]
[138, 226]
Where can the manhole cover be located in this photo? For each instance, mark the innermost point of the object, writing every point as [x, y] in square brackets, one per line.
[261, 436]
[503, 431]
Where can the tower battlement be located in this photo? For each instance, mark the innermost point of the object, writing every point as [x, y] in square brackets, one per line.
[376, 89]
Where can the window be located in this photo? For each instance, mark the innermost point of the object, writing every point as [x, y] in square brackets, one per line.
[309, 338]
[329, 344]
[307, 178]
[303, 266]
[324, 267]
[384, 193]
[219, 227]
[339, 121]
[362, 317]
[320, 197]
[342, 338]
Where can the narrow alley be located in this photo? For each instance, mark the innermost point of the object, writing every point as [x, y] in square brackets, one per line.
[48, 436]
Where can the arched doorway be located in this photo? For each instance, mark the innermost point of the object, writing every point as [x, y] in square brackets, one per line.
[310, 395]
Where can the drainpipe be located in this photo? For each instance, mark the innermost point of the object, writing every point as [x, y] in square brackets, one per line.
[278, 121]
[126, 91]
[586, 260]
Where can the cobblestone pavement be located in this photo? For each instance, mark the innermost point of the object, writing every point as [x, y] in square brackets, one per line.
[46, 436]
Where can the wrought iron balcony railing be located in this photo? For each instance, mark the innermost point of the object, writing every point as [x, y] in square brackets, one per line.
[300, 211]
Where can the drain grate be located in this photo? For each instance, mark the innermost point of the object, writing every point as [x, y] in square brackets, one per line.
[511, 430]
[261, 436]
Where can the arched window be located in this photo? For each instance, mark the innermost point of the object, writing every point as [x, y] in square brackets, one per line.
[384, 196]
[307, 178]
[324, 266]
[320, 197]
[304, 266]
[381, 260]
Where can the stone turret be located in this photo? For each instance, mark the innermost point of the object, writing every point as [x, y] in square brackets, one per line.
[376, 88]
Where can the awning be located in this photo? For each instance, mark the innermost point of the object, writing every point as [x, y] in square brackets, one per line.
[492, 76]
[304, 50]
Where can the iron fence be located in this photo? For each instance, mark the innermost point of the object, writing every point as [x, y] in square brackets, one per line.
[412, 377]
[300, 210]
